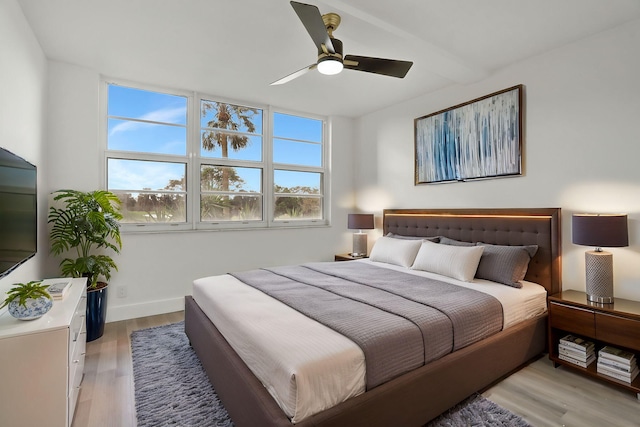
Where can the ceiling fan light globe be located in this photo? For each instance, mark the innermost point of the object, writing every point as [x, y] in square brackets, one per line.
[330, 66]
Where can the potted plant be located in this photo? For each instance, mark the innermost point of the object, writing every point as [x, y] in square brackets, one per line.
[87, 222]
[28, 301]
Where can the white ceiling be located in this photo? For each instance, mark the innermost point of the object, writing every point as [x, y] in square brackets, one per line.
[235, 49]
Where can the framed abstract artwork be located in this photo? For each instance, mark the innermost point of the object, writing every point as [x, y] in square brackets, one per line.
[479, 139]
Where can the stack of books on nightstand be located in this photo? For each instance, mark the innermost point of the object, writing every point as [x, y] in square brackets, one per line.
[576, 350]
[616, 363]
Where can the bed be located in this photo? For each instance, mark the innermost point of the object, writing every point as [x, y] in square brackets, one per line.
[420, 395]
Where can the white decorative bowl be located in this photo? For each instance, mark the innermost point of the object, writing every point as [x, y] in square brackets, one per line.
[33, 308]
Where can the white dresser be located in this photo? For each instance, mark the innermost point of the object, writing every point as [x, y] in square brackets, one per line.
[42, 363]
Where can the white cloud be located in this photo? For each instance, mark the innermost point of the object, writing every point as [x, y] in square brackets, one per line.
[136, 175]
[166, 115]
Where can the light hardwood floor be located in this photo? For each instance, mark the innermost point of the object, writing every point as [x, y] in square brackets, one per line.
[106, 397]
[544, 396]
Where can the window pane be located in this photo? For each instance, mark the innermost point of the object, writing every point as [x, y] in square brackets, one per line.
[146, 105]
[294, 127]
[220, 115]
[230, 208]
[297, 182]
[221, 178]
[297, 153]
[230, 146]
[143, 137]
[298, 207]
[145, 175]
[153, 207]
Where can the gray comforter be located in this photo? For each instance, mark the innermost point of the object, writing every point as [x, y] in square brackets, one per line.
[399, 320]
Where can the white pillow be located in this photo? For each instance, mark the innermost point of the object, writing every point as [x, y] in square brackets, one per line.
[395, 251]
[458, 262]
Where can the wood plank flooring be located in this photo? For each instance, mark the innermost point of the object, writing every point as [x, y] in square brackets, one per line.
[106, 397]
[544, 396]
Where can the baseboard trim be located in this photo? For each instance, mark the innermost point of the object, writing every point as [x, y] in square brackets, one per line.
[151, 308]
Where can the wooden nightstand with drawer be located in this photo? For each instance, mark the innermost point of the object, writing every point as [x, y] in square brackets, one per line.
[616, 324]
[347, 257]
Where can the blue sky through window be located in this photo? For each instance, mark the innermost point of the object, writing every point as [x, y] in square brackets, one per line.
[151, 122]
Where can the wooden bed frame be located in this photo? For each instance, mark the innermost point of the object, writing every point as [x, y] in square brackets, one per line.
[419, 396]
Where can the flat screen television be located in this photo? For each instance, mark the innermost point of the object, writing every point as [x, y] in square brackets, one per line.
[18, 211]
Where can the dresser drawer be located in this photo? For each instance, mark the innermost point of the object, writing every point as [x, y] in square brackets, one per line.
[76, 361]
[78, 321]
[73, 399]
[618, 330]
[77, 329]
[578, 320]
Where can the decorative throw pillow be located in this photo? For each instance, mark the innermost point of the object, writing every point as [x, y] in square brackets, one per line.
[435, 239]
[395, 251]
[458, 262]
[452, 242]
[505, 264]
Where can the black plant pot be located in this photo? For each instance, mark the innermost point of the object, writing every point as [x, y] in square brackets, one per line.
[96, 312]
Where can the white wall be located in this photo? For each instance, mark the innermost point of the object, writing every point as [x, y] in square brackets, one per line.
[23, 79]
[158, 269]
[582, 146]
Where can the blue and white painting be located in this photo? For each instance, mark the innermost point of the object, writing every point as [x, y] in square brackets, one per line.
[478, 139]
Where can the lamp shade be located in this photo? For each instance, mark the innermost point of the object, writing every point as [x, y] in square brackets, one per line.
[600, 230]
[360, 222]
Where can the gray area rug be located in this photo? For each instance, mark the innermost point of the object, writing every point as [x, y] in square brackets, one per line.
[477, 411]
[172, 389]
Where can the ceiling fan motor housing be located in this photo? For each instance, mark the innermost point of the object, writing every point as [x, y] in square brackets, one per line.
[337, 47]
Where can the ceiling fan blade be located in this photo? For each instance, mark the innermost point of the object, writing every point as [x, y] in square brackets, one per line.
[387, 67]
[294, 75]
[312, 21]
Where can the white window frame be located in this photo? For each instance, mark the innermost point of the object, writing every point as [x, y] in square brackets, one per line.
[194, 162]
[199, 161]
[324, 169]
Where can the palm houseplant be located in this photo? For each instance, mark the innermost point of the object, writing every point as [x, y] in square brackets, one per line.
[86, 224]
[28, 301]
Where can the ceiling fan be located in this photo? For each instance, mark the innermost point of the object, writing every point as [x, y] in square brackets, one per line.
[330, 60]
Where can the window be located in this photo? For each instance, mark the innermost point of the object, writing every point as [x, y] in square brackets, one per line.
[297, 163]
[147, 154]
[176, 163]
[231, 167]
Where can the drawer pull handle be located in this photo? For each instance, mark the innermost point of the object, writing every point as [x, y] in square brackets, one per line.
[76, 361]
[572, 307]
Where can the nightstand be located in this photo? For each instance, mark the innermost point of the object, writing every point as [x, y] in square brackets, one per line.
[348, 257]
[616, 324]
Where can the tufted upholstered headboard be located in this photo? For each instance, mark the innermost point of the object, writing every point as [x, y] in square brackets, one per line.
[525, 226]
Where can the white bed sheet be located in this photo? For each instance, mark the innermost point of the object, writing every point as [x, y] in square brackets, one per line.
[306, 366]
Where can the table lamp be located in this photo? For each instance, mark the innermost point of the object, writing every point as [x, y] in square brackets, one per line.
[600, 230]
[360, 222]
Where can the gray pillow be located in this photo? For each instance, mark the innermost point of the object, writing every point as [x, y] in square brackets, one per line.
[452, 242]
[400, 236]
[505, 264]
